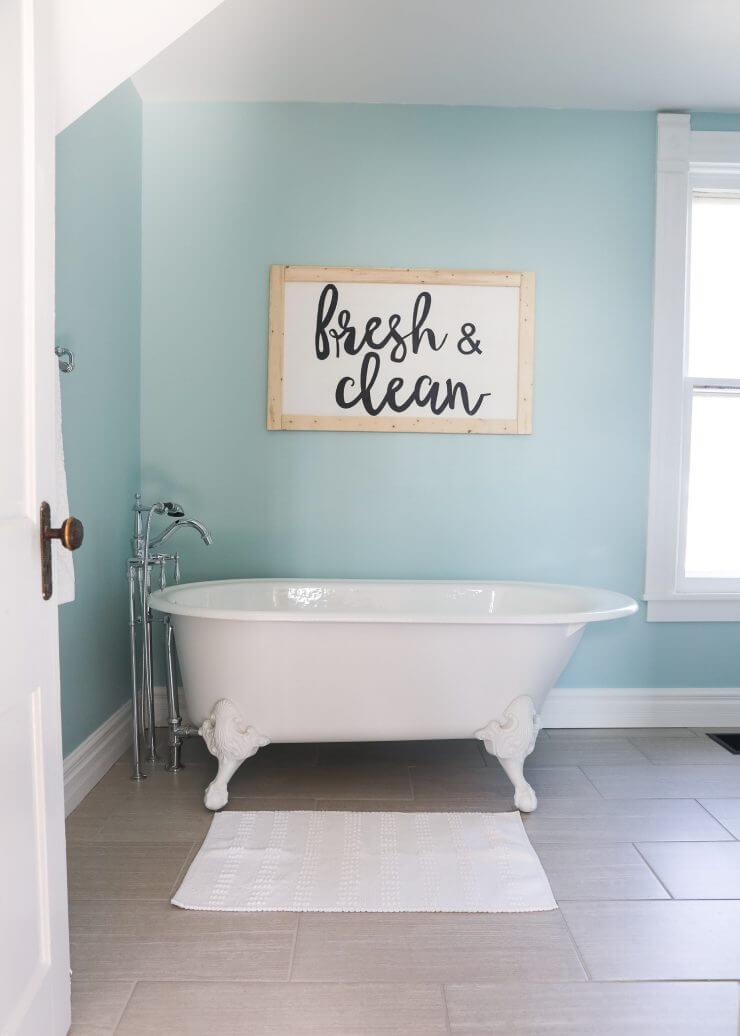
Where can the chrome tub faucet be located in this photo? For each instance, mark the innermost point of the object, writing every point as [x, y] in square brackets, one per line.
[182, 523]
[147, 562]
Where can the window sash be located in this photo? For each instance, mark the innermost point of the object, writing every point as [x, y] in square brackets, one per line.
[688, 162]
[699, 584]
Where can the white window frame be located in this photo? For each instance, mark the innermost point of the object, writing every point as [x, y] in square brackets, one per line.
[687, 161]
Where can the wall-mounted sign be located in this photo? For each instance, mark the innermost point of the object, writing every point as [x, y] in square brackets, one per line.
[400, 350]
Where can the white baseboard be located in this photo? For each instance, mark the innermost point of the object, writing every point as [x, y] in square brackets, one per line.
[91, 760]
[612, 707]
[642, 707]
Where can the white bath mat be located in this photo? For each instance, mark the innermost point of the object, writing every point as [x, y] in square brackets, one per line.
[342, 861]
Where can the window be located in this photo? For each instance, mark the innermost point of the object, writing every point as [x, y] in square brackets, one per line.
[693, 558]
[711, 518]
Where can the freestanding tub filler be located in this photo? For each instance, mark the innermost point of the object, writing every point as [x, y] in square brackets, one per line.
[319, 660]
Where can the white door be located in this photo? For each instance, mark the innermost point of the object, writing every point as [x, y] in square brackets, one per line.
[34, 953]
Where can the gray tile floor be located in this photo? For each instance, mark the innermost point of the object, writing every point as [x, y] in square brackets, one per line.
[638, 831]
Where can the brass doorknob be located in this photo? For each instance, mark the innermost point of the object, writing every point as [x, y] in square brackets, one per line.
[70, 534]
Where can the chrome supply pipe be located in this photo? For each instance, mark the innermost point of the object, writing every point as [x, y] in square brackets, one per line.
[159, 508]
[151, 717]
[145, 712]
[142, 692]
[136, 774]
[173, 705]
[138, 541]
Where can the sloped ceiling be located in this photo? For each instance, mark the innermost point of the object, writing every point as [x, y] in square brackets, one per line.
[654, 54]
[101, 43]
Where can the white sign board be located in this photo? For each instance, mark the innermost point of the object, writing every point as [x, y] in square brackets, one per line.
[400, 350]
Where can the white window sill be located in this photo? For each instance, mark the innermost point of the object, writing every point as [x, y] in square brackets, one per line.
[694, 608]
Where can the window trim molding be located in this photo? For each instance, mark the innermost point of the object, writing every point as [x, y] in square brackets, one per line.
[685, 158]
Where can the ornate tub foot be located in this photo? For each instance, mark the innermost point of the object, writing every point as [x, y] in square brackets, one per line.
[511, 738]
[227, 737]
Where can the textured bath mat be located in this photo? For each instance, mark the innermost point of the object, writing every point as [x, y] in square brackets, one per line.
[341, 861]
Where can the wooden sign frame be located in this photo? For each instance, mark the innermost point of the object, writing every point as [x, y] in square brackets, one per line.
[278, 420]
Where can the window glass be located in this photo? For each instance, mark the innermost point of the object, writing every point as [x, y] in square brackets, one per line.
[714, 287]
[713, 517]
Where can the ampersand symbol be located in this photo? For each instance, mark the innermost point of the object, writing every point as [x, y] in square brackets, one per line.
[468, 345]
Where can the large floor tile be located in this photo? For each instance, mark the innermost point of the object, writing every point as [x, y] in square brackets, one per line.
[178, 825]
[111, 870]
[195, 753]
[456, 784]
[254, 804]
[477, 803]
[599, 872]
[363, 780]
[727, 811]
[657, 940]
[582, 821]
[697, 870]
[574, 751]
[408, 753]
[160, 791]
[287, 758]
[244, 957]
[434, 948]
[687, 781]
[81, 828]
[138, 939]
[157, 919]
[268, 1009]
[161, 785]
[684, 750]
[595, 1009]
[112, 791]
[98, 1005]
[636, 732]
[89, 1030]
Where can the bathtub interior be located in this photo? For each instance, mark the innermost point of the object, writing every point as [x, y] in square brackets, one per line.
[368, 600]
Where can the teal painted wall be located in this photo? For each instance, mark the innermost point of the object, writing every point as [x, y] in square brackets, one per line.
[98, 286]
[230, 188]
[728, 122]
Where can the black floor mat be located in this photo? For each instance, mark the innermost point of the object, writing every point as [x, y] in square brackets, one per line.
[729, 741]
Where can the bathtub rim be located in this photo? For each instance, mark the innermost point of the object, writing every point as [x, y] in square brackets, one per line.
[622, 605]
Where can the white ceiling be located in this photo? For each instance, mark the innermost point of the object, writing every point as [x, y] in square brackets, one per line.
[654, 54]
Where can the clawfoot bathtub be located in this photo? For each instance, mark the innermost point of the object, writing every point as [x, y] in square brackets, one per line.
[308, 660]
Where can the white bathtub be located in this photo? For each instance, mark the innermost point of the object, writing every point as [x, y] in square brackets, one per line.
[336, 660]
